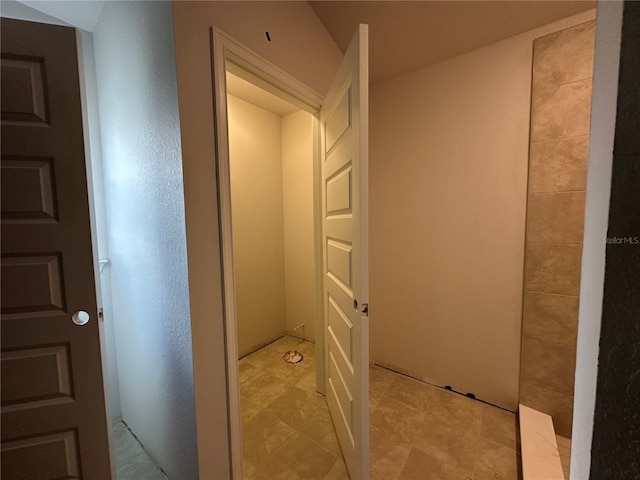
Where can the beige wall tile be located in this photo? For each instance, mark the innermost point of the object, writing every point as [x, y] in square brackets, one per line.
[564, 56]
[553, 268]
[555, 217]
[560, 120]
[561, 111]
[556, 404]
[548, 365]
[558, 166]
[553, 318]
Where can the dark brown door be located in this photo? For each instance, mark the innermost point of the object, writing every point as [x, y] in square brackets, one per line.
[53, 410]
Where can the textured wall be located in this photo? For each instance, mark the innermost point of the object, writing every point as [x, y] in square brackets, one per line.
[12, 9]
[561, 106]
[616, 432]
[94, 143]
[299, 255]
[135, 65]
[448, 175]
[255, 158]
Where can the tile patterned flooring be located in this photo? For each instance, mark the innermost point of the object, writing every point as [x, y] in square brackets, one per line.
[287, 432]
[132, 462]
[418, 431]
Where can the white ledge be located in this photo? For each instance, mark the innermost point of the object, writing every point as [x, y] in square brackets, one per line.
[540, 456]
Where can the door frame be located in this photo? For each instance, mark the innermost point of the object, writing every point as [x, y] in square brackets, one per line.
[227, 53]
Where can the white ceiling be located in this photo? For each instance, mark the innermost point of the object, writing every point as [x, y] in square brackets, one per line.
[408, 35]
[239, 87]
[79, 13]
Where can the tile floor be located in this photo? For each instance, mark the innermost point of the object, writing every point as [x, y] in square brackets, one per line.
[132, 463]
[418, 431]
[287, 432]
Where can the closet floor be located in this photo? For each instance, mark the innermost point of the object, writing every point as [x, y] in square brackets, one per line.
[287, 432]
[418, 431]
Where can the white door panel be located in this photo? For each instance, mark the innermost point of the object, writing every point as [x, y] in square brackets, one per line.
[345, 263]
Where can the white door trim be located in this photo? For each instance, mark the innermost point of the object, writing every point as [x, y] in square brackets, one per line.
[225, 52]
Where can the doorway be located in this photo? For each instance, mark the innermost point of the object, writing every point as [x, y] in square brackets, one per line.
[271, 166]
[256, 81]
[286, 425]
[339, 131]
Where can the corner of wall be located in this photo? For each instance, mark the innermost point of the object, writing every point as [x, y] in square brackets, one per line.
[603, 119]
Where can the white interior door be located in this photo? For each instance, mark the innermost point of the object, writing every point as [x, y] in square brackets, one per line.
[344, 118]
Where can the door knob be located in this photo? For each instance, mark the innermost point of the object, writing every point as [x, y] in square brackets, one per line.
[80, 317]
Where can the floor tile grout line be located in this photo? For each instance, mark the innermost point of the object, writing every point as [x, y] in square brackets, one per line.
[286, 382]
[475, 460]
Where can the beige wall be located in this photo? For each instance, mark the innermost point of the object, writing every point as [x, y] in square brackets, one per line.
[448, 180]
[271, 161]
[302, 48]
[563, 67]
[255, 158]
[299, 255]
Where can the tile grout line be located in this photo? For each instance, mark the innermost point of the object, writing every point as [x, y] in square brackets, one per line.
[557, 140]
[548, 390]
[554, 294]
[475, 460]
[548, 341]
[287, 382]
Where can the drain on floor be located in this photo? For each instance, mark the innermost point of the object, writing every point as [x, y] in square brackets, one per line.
[292, 356]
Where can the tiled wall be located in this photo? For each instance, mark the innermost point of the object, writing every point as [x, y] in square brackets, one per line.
[561, 106]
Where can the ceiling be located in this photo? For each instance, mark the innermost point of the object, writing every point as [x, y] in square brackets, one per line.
[406, 36]
[247, 91]
[82, 14]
